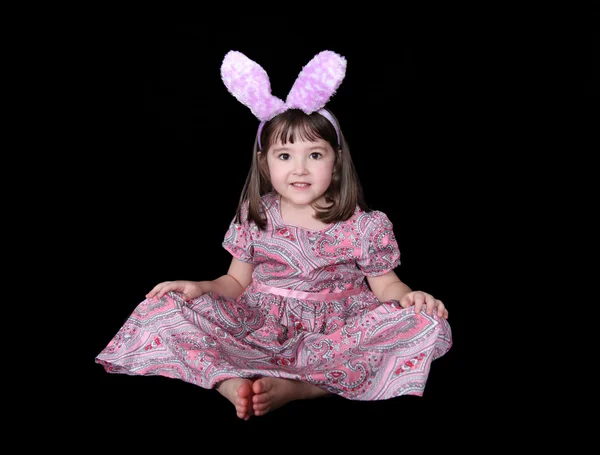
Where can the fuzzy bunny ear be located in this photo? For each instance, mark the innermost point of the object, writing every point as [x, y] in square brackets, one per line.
[249, 83]
[317, 82]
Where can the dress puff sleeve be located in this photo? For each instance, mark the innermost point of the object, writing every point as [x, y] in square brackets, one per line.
[238, 238]
[380, 253]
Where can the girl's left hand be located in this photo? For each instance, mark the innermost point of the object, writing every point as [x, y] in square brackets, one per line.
[422, 299]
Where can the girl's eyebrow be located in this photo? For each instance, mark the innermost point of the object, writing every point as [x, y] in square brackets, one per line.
[280, 149]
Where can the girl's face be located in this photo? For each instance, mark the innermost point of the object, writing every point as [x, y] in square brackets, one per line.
[301, 172]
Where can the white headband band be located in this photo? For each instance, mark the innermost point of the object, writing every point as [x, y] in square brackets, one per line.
[325, 113]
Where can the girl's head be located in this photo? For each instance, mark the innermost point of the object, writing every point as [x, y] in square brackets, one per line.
[300, 151]
[301, 158]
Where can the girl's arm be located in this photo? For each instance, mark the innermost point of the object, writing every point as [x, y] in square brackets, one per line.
[231, 285]
[238, 277]
[389, 287]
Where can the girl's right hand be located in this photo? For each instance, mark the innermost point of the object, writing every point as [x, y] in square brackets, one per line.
[189, 289]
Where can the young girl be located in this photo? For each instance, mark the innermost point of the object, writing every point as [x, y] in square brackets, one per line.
[310, 304]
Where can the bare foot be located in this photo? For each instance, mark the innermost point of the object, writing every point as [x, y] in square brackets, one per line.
[239, 392]
[272, 393]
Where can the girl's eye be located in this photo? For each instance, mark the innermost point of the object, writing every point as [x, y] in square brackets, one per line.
[284, 156]
[316, 155]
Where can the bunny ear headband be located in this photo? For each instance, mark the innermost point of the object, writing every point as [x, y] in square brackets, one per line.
[314, 86]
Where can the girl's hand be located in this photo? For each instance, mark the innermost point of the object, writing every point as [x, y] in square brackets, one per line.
[422, 299]
[189, 289]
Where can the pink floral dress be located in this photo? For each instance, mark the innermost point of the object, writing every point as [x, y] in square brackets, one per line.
[308, 315]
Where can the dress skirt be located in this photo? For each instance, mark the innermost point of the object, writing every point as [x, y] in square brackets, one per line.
[347, 343]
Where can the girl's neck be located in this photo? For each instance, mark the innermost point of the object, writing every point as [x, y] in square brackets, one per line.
[301, 216]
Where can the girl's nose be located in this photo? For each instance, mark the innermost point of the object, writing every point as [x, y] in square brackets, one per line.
[300, 167]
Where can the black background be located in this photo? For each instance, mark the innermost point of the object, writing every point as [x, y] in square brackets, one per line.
[424, 108]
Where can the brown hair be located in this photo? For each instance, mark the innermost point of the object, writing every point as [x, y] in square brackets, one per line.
[345, 191]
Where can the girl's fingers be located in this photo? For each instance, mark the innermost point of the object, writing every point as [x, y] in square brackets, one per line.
[442, 311]
[405, 302]
[423, 300]
[170, 286]
[429, 304]
[156, 289]
[419, 302]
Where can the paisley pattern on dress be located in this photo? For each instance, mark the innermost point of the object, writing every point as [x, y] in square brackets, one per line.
[353, 346]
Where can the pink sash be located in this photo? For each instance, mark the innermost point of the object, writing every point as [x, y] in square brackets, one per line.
[318, 296]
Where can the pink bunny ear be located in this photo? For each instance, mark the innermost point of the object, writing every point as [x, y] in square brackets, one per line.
[249, 83]
[317, 82]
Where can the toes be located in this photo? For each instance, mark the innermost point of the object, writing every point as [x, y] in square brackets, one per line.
[262, 410]
[261, 407]
[260, 398]
[243, 416]
[257, 386]
[244, 390]
[242, 412]
[260, 386]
